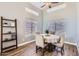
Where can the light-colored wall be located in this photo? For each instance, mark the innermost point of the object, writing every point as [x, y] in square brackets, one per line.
[77, 23]
[17, 10]
[68, 14]
[70, 19]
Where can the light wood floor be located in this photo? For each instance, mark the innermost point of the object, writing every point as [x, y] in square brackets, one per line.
[30, 50]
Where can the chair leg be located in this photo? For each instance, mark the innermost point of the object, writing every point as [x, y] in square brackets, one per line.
[62, 51]
[56, 49]
[42, 52]
[36, 49]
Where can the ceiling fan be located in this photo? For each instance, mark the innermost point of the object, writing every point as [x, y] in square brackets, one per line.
[49, 4]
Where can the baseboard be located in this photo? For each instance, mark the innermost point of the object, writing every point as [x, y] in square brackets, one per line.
[34, 40]
[71, 43]
[25, 43]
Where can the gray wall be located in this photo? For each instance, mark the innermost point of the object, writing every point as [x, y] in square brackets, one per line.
[17, 10]
[77, 23]
[70, 19]
[68, 15]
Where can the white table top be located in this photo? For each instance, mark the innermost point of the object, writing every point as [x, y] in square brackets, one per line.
[50, 38]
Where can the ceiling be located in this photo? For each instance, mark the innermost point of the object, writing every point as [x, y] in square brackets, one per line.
[37, 4]
[40, 4]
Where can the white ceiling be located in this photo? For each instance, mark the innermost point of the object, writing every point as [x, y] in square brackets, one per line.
[55, 7]
[37, 4]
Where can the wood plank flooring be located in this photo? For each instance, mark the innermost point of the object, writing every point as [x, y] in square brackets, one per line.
[30, 50]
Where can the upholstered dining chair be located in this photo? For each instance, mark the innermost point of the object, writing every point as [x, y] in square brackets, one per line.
[60, 45]
[40, 44]
[54, 39]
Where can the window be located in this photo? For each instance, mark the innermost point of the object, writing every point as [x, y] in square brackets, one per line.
[30, 26]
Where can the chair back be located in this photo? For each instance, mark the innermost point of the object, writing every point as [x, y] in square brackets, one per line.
[39, 40]
[54, 38]
[61, 40]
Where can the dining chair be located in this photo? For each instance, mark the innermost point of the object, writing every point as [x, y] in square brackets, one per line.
[54, 39]
[60, 45]
[40, 44]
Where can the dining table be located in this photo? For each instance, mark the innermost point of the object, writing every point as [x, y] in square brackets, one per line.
[51, 40]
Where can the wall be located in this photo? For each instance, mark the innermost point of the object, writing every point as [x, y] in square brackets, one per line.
[68, 14]
[77, 24]
[17, 10]
[70, 19]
